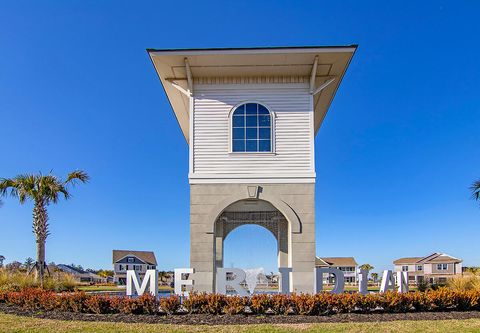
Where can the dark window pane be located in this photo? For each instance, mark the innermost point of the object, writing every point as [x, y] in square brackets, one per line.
[264, 133]
[238, 145]
[251, 108]
[263, 120]
[252, 133]
[264, 145]
[240, 110]
[239, 133]
[262, 110]
[252, 145]
[238, 121]
[251, 121]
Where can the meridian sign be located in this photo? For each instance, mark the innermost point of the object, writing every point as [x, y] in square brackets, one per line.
[234, 278]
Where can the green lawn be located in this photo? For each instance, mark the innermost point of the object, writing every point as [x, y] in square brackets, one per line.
[112, 288]
[12, 323]
[98, 288]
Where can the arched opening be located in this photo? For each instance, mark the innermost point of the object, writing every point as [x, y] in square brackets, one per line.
[251, 246]
[248, 226]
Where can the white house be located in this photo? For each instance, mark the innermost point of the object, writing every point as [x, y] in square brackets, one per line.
[348, 265]
[139, 261]
[249, 116]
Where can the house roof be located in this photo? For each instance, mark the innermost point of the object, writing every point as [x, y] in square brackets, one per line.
[147, 256]
[435, 257]
[176, 66]
[407, 260]
[71, 269]
[335, 261]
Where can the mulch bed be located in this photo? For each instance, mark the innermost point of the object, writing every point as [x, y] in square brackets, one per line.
[202, 319]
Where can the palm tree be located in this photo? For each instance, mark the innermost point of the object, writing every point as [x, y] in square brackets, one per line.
[367, 267]
[42, 190]
[476, 190]
[374, 276]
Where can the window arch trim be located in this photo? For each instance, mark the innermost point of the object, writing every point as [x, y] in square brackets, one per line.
[272, 129]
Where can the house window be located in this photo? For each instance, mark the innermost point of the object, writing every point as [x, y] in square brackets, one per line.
[120, 267]
[137, 267]
[419, 268]
[442, 267]
[404, 268]
[130, 259]
[251, 128]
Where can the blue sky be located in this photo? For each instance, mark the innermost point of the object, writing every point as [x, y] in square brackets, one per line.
[394, 157]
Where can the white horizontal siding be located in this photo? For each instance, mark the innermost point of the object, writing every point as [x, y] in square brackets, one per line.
[293, 132]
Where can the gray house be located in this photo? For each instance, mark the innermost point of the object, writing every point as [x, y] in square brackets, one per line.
[124, 260]
[81, 275]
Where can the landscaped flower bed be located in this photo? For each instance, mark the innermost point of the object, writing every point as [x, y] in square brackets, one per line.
[301, 304]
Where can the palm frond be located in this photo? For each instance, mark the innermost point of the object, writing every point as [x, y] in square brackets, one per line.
[7, 185]
[39, 187]
[77, 176]
[476, 190]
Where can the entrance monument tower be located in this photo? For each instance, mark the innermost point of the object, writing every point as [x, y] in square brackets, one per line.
[250, 116]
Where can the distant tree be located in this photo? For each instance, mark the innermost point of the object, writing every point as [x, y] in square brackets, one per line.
[476, 190]
[13, 266]
[29, 262]
[473, 270]
[374, 276]
[2, 258]
[105, 273]
[42, 190]
[163, 275]
[79, 267]
[368, 267]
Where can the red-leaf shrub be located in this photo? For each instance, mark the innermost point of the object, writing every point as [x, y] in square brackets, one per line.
[214, 304]
[305, 304]
[260, 303]
[170, 304]
[281, 304]
[367, 303]
[396, 302]
[98, 304]
[442, 299]
[234, 305]
[73, 302]
[195, 302]
[324, 303]
[149, 303]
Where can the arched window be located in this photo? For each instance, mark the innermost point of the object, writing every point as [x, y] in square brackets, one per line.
[251, 128]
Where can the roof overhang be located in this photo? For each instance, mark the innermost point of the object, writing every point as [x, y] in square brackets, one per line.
[323, 66]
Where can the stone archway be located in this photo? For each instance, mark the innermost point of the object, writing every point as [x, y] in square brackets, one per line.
[215, 207]
[251, 211]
